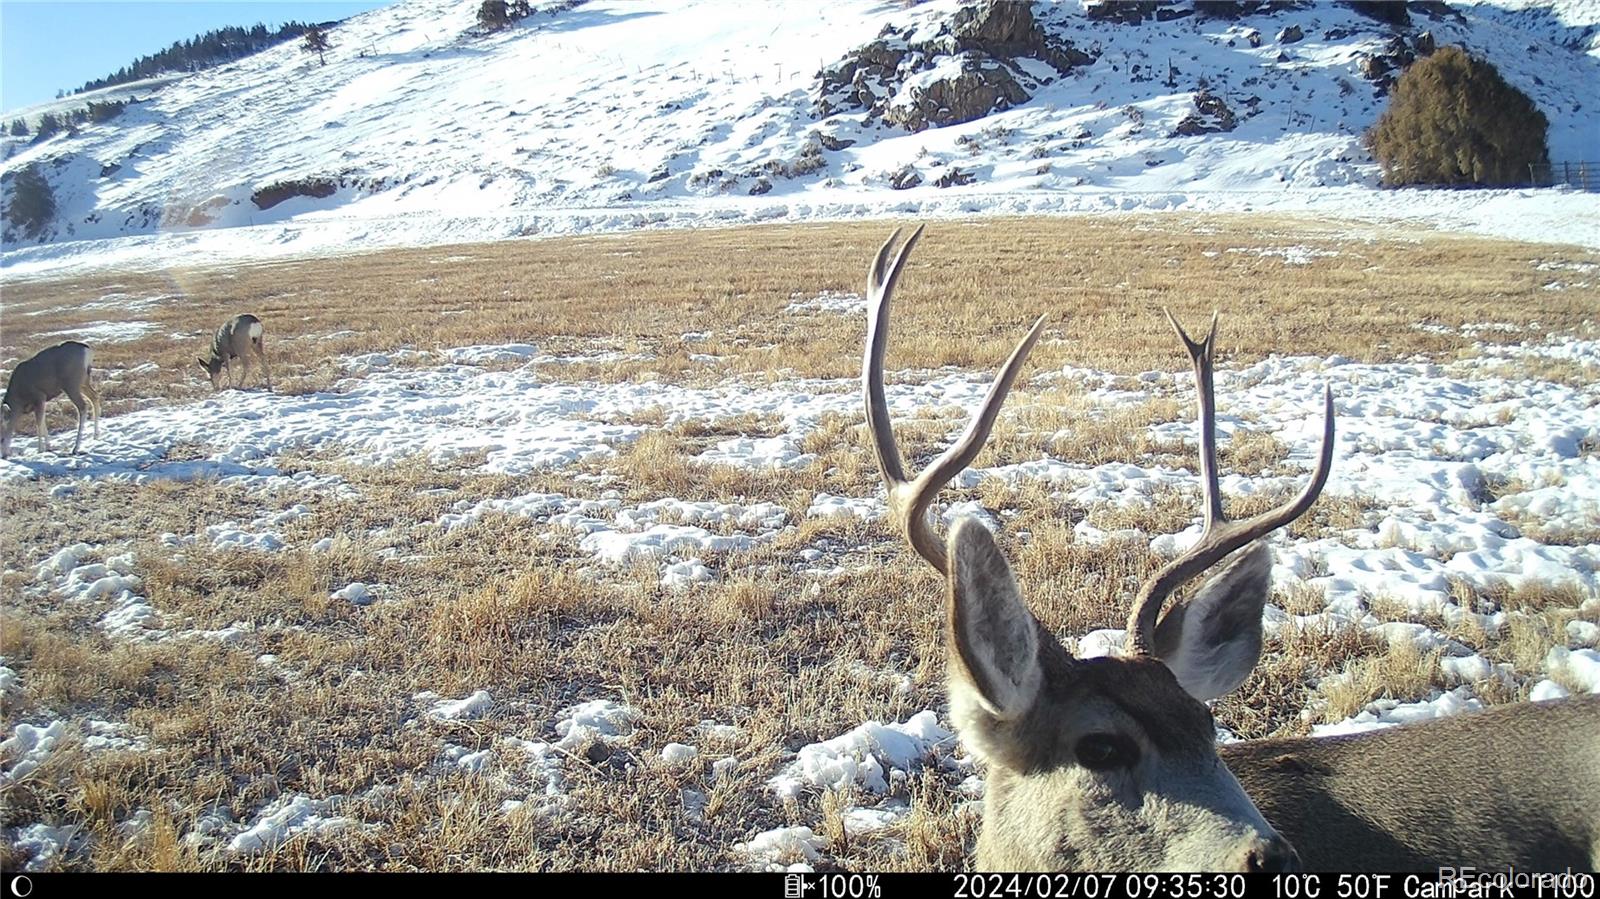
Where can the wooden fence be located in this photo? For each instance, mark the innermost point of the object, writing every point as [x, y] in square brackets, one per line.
[1582, 175]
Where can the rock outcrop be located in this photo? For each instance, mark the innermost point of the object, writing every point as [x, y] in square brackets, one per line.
[966, 70]
[954, 177]
[1210, 116]
[1383, 67]
[1135, 12]
[905, 178]
[969, 94]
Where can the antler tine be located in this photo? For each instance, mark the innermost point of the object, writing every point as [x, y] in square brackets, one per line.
[919, 494]
[909, 499]
[879, 289]
[1219, 536]
[880, 280]
[1204, 355]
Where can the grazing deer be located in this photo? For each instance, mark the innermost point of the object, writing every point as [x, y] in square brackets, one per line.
[238, 338]
[1112, 763]
[63, 368]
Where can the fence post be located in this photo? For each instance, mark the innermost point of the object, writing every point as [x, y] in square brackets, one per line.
[1582, 174]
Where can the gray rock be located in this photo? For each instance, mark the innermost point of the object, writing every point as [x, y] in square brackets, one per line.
[905, 179]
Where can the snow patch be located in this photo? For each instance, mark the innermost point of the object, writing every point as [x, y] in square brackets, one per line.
[869, 757]
[289, 817]
[476, 705]
[599, 720]
[784, 848]
[29, 747]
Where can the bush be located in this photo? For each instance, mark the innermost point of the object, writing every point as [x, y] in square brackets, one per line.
[48, 126]
[31, 203]
[1453, 120]
[315, 187]
[316, 41]
[492, 15]
[1223, 9]
[105, 112]
[497, 15]
[1387, 11]
[19, 127]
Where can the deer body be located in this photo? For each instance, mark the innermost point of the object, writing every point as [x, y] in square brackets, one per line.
[63, 368]
[238, 338]
[1514, 785]
[1112, 763]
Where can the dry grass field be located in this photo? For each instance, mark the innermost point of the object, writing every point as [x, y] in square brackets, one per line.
[262, 686]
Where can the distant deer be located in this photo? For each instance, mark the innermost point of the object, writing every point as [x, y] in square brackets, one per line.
[238, 338]
[1112, 763]
[63, 368]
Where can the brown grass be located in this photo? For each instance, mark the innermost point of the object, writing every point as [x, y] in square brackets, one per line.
[1402, 672]
[511, 605]
[967, 295]
[1270, 702]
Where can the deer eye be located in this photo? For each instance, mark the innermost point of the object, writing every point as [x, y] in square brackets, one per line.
[1104, 752]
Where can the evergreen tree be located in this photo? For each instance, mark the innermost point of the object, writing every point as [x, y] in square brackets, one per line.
[204, 51]
[492, 15]
[48, 126]
[1453, 120]
[105, 112]
[316, 42]
[30, 203]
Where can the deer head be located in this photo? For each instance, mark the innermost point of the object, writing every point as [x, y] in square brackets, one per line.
[213, 369]
[8, 429]
[1104, 763]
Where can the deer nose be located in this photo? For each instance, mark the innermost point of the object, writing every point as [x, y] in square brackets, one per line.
[1274, 856]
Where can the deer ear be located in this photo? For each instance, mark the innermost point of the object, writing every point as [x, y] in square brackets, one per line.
[1212, 640]
[994, 639]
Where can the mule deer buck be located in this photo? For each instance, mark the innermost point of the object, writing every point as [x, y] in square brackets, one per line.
[238, 338]
[63, 368]
[1112, 763]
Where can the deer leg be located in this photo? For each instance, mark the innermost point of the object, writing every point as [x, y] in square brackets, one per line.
[76, 395]
[94, 399]
[41, 428]
[261, 353]
[227, 363]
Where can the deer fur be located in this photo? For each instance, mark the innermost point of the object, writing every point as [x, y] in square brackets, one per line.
[238, 338]
[1176, 808]
[63, 368]
[1112, 763]
[1515, 785]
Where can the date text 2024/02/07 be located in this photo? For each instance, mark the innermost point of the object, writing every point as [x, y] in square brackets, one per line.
[1447, 883]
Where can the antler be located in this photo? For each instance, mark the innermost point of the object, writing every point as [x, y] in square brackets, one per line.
[1219, 537]
[909, 499]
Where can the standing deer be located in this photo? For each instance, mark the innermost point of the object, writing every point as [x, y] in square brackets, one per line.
[238, 338]
[63, 368]
[1112, 763]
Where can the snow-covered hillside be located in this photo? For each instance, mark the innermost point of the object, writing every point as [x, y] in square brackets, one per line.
[624, 113]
